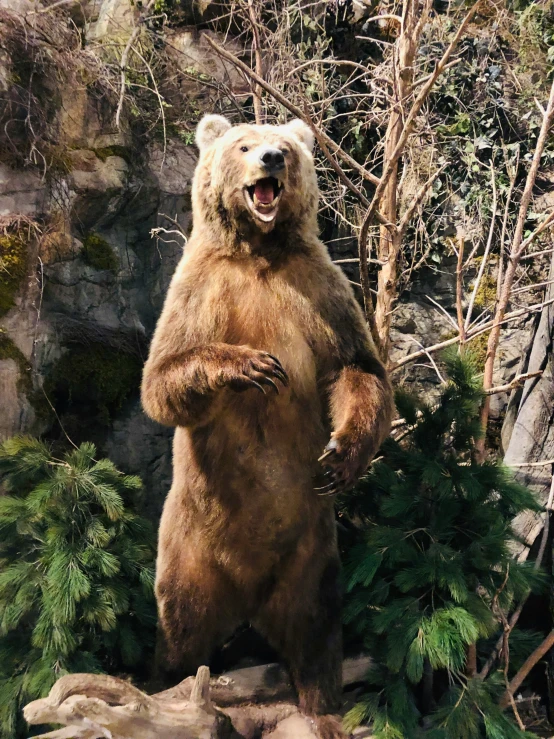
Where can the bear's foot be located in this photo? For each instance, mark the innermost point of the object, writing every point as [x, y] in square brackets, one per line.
[329, 726]
[300, 726]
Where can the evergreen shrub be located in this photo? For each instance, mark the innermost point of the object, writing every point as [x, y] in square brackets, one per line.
[431, 568]
[76, 572]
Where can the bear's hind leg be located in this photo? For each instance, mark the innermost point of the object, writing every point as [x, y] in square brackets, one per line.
[197, 610]
[302, 621]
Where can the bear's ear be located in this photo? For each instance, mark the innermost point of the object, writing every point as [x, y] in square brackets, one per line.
[210, 128]
[302, 132]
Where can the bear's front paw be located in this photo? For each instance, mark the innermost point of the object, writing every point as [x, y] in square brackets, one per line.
[345, 461]
[252, 368]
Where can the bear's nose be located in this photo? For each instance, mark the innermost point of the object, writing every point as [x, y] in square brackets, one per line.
[272, 159]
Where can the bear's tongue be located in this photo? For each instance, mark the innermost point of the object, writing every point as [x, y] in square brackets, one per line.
[263, 190]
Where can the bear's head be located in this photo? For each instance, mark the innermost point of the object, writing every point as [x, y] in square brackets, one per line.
[255, 179]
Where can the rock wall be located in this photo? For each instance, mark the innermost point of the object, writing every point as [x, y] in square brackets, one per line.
[101, 205]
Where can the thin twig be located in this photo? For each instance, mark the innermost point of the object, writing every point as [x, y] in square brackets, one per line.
[485, 258]
[258, 57]
[526, 668]
[460, 289]
[124, 57]
[417, 199]
[544, 463]
[519, 244]
[516, 382]
[517, 613]
[355, 260]
[294, 109]
[174, 222]
[433, 364]
[537, 254]
[473, 333]
[507, 209]
[442, 310]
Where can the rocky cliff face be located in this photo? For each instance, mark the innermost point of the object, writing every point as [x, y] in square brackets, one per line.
[94, 282]
[71, 299]
[76, 325]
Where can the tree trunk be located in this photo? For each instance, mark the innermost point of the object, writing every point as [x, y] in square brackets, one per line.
[532, 437]
[389, 242]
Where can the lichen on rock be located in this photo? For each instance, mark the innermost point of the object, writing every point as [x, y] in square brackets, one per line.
[13, 268]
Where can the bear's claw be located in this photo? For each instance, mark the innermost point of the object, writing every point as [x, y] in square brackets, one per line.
[342, 465]
[256, 369]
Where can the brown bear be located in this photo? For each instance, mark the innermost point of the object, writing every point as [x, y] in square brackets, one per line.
[260, 359]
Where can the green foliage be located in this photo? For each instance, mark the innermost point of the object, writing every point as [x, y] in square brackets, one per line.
[433, 556]
[76, 572]
[98, 253]
[13, 268]
[535, 27]
[93, 381]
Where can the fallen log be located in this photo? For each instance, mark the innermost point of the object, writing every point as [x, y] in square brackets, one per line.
[260, 684]
[84, 704]
[247, 703]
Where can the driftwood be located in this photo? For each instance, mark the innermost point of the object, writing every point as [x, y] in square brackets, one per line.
[100, 706]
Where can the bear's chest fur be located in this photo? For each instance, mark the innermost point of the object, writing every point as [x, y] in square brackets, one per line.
[241, 453]
[266, 310]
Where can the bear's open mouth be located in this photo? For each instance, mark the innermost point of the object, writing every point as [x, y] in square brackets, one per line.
[263, 197]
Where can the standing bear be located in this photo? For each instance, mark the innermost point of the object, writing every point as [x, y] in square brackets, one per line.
[261, 359]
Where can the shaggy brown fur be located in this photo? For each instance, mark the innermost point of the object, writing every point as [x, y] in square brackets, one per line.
[257, 306]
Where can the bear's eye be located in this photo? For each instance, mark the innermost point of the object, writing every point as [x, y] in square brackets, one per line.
[244, 148]
[284, 152]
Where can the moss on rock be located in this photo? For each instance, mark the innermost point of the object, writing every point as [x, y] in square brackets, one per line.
[13, 268]
[94, 380]
[115, 150]
[477, 345]
[98, 253]
[486, 294]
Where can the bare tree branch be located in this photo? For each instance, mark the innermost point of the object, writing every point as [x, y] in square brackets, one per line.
[486, 253]
[396, 137]
[471, 334]
[258, 57]
[526, 668]
[516, 252]
[124, 57]
[510, 625]
[295, 110]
